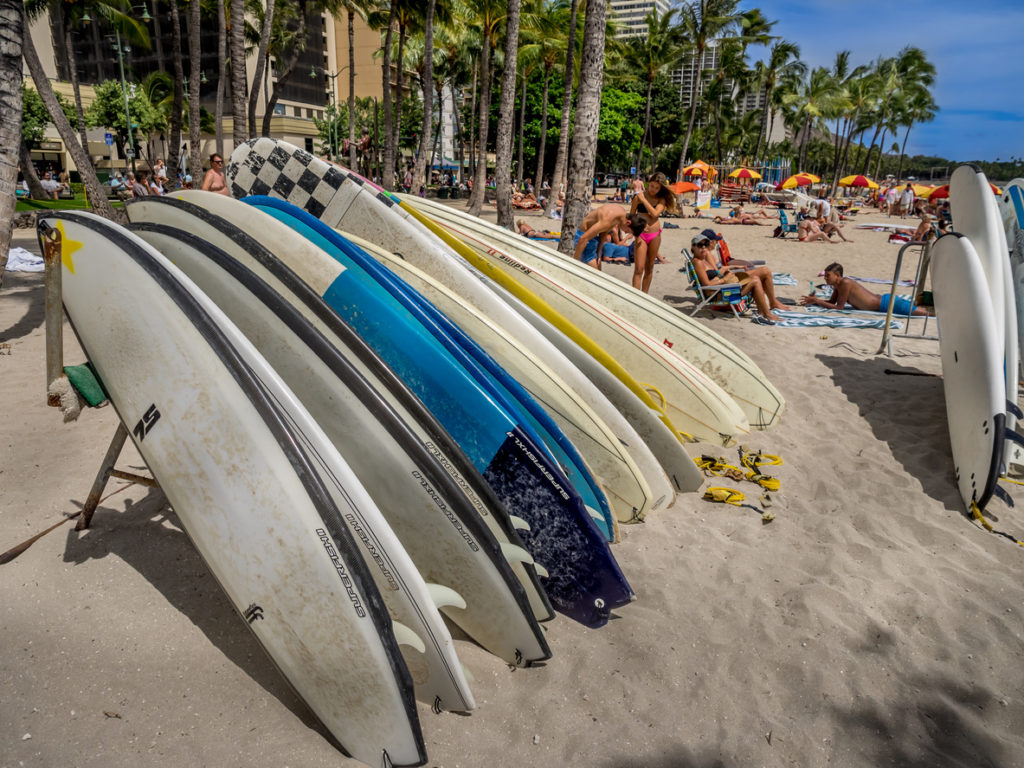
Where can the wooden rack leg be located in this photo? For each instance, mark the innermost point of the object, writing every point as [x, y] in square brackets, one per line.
[102, 477]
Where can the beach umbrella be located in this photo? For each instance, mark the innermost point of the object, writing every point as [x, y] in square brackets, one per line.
[681, 187]
[857, 181]
[943, 191]
[799, 180]
[744, 173]
[923, 190]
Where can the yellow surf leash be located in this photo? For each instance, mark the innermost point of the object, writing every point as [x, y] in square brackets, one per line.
[976, 513]
[718, 467]
[722, 495]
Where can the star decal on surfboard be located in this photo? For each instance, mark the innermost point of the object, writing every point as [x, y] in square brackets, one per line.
[67, 247]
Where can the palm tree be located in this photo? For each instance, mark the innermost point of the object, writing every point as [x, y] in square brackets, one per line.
[547, 24]
[387, 175]
[173, 113]
[920, 107]
[783, 61]
[562, 153]
[236, 36]
[503, 155]
[222, 75]
[423, 158]
[909, 67]
[487, 15]
[12, 29]
[588, 112]
[353, 7]
[96, 193]
[813, 102]
[702, 22]
[662, 50]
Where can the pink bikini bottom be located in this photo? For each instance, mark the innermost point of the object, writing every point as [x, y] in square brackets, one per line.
[648, 237]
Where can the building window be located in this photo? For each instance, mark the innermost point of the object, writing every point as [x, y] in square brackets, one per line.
[309, 144]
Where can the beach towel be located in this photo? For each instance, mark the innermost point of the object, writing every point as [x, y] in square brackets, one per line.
[783, 278]
[829, 319]
[20, 260]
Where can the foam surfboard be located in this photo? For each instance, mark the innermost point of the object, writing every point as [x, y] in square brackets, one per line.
[231, 236]
[972, 366]
[278, 168]
[207, 420]
[628, 490]
[448, 542]
[583, 581]
[976, 216]
[717, 358]
[509, 394]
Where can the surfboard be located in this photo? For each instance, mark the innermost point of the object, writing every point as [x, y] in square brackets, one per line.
[976, 216]
[1011, 204]
[263, 165]
[435, 522]
[628, 490]
[207, 419]
[716, 357]
[235, 240]
[972, 366]
[584, 581]
[505, 390]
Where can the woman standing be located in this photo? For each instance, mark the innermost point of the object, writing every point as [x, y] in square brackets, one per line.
[650, 202]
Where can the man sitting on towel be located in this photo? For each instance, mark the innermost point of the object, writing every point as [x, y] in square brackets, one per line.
[846, 290]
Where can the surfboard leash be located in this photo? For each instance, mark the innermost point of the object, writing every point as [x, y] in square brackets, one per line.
[976, 514]
[731, 496]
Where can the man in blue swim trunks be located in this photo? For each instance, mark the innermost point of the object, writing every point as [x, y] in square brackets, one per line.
[599, 221]
[846, 290]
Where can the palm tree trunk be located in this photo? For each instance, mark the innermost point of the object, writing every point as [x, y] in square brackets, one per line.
[76, 89]
[387, 174]
[237, 74]
[503, 154]
[479, 194]
[521, 175]
[222, 71]
[396, 128]
[881, 151]
[174, 152]
[699, 54]
[13, 30]
[195, 54]
[352, 160]
[539, 178]
[472, 121]
[903, 151]
[588, 113]
[459, 138]
[426, 140]
[562, 153]
[97, 194]
[261, 63]
[764, 125]
[647, 127]
[35, 186]
[286, 74]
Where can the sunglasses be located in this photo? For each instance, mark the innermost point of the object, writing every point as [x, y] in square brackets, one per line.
[703, 244]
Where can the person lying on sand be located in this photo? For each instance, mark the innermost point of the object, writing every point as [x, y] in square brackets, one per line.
[809, 231]
[846, 290]
[526, 230]
[738, 216]
[756, 282]
[600, 220]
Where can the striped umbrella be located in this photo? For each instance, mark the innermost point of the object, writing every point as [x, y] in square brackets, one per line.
[744, 173]
[943, 191]
[857, 181]
[799, 180]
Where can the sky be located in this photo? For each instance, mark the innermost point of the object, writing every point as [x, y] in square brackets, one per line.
[977, 48]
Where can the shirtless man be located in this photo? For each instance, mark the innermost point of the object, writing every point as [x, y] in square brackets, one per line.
[214, 180]
[846, 290]
[603, 219]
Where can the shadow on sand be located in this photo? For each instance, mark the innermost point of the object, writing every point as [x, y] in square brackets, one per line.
[147, 535]
[28, 289]
[907, 410]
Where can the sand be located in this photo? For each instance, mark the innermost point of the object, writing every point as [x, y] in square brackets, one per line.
[871, 623]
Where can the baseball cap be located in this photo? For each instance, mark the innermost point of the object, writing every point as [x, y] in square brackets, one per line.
[699, 239]
[710, 234]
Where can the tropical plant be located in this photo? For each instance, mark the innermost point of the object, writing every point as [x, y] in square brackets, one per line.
[12, 32]
[562, 153]
[783, 62]
[107, 110]
[503, 155]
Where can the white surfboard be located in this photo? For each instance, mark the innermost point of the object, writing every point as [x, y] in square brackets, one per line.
[972, 366]
[435, 523]
[976, 216]
[716, 357]
[627, 489]
[207, 418]
[267, 166]
[226, 223]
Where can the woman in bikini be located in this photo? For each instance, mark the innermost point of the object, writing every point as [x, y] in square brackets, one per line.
[654, 200]
[757, 282]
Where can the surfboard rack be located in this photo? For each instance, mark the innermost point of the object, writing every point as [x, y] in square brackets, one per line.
[920, 274]
[54, 315]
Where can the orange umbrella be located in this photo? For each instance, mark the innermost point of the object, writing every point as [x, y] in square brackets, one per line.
[681, 187]
[943, 191]
[744, 173]
[799, 180]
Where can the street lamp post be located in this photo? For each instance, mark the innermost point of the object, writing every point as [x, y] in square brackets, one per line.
[332, 136]
[121, 51]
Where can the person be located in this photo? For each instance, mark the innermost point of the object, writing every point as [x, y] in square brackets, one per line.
[407, 181]
[907, 200]
[50, 185]
[624, 189]
[214, 180]
[891, 200]
[156, 186]
[832, 224]
[651, 202]
[600, 220]
[756, 282]
[724, 257]
[159, 172]
[808, 231]
[925, 230]
[738, 216]
[846, 290]
[139, 185]
[524, 229]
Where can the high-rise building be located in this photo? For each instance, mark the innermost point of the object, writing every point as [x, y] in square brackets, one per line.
[632, 14]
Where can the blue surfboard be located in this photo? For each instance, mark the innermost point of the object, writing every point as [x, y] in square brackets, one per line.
[584, 581]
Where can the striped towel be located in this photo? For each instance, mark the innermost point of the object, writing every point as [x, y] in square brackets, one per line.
[783, 278]
[830, 319]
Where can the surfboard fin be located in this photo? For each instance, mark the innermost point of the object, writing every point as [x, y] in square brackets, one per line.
[405, 636]
[521, 525]
[595, 514]
[1013, 436]
[1000, 493]
[541, 570]
[1014, 409]
[516, 554]
[445, 597]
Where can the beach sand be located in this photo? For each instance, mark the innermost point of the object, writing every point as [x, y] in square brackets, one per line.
[871, 623]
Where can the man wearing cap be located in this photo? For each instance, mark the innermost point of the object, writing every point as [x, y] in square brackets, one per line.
[598, 222]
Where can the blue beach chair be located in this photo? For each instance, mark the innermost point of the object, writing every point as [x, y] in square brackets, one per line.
[715, 297]
[784, 225]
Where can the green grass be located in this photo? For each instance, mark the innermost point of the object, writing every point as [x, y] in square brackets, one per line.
[78, 204]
